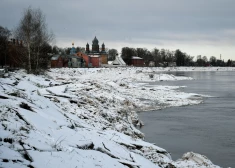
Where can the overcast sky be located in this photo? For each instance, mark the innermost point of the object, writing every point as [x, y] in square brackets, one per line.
[197, 27]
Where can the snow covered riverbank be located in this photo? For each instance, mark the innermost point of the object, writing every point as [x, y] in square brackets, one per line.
[86, 118]
[194, 69]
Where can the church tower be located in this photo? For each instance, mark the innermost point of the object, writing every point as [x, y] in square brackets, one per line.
[95, 56]
[87, 48]
[73, 50]
[103, 48]
[95, 45]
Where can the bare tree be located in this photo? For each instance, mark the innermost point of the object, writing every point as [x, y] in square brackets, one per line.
[32, 29]
[43, 36]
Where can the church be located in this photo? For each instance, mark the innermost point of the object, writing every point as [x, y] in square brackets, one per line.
[95, 56]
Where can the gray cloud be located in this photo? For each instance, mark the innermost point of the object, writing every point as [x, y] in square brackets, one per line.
[153, 22]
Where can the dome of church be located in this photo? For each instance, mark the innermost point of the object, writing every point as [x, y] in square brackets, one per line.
[95, 41]
[72, 50]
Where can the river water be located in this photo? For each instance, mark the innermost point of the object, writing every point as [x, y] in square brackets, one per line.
[207, 128]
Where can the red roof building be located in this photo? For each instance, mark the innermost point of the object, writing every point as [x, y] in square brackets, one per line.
[56, 61]
[137, 61]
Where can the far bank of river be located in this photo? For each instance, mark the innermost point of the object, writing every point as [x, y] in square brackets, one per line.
[207, 128]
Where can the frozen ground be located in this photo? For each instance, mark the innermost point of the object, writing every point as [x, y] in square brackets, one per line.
[87, 118]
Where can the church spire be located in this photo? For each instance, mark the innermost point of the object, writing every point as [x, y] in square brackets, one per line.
[95, 45]
[73, 50]
[103, 47]
[87, 48]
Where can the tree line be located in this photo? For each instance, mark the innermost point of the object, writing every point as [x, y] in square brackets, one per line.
[161, 57]
[29, 46]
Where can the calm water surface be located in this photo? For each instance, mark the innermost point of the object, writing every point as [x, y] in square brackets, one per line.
[207, 128]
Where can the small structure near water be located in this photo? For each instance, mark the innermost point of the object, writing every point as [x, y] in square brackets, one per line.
[137, 61]
[119, 61]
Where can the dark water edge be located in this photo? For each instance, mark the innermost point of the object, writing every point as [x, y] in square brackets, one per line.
[207, 128]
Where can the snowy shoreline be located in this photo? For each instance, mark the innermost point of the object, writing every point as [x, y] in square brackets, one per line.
[87, 118]
[159, 69]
